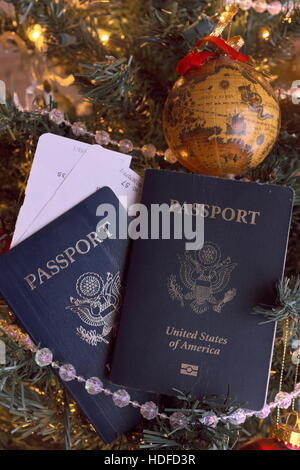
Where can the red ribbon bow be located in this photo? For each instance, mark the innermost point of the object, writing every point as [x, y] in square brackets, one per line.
[195, 59]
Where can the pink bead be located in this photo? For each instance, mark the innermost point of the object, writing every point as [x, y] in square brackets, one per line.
[94, 385]
[169, 156]
[125, 146]
[177, 420]
[209, 419]
[260, 6]
[56, 116]
[67, 372]
[149, 150]
[43, 357]
[121, 398]
[245, 4]
[238, 417]
[102, 138]
[274, 8]
[79, 128]
[262, 414]
[149, 410]
[283, 400]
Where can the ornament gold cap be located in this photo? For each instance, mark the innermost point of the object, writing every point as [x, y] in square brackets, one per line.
[288, 429]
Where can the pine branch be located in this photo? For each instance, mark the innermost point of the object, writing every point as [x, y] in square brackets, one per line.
[194, 435]
[287, 303]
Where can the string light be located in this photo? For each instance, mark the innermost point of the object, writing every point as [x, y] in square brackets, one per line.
[36, 35]
[35, 32]
[265, 33]
[103, 35]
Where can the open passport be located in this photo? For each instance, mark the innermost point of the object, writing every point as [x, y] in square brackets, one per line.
[147, 314]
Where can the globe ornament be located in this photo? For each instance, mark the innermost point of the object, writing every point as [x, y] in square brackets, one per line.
[221, 117]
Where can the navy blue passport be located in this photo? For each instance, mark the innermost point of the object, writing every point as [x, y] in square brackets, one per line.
[188, 313]
[65, 287]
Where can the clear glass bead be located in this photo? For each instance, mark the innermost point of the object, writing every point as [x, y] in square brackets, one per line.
[56, 116]
[169, 156]
[274, 8]
[295, 343]
[283, 400]
[93, 385]
[264, 413]
[237, 417]
[177, 420]
[149, 150]
[125, 146]
[209, 419]
[67, 372]
[79, 128]
[28, 344]
[296, 357]
[121, 398]
[43, 357]
[102, 138]
[245, 4]
[260, 6]
[149, 410]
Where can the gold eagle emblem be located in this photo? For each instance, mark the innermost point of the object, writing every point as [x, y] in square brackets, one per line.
[98, 306]
[203, 275]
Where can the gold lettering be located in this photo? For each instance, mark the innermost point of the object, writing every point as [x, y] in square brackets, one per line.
[232, 214]
[84, 242]
[52, 266]
[30, 279]
[61, 260]
[93, 237]
[241, 216]
[42, 274]
[253, 218]
[70, 252]
[216, 210]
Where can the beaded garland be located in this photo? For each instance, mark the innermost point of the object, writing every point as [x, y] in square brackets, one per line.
[149, 410]
[94, 385]
[121, 398]
[103, 138]
[262, 6]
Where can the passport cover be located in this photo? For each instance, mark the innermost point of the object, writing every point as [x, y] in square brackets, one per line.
[65, 288]
[187, 313]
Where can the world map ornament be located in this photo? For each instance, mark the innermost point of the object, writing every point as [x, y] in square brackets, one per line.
[222, 116]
